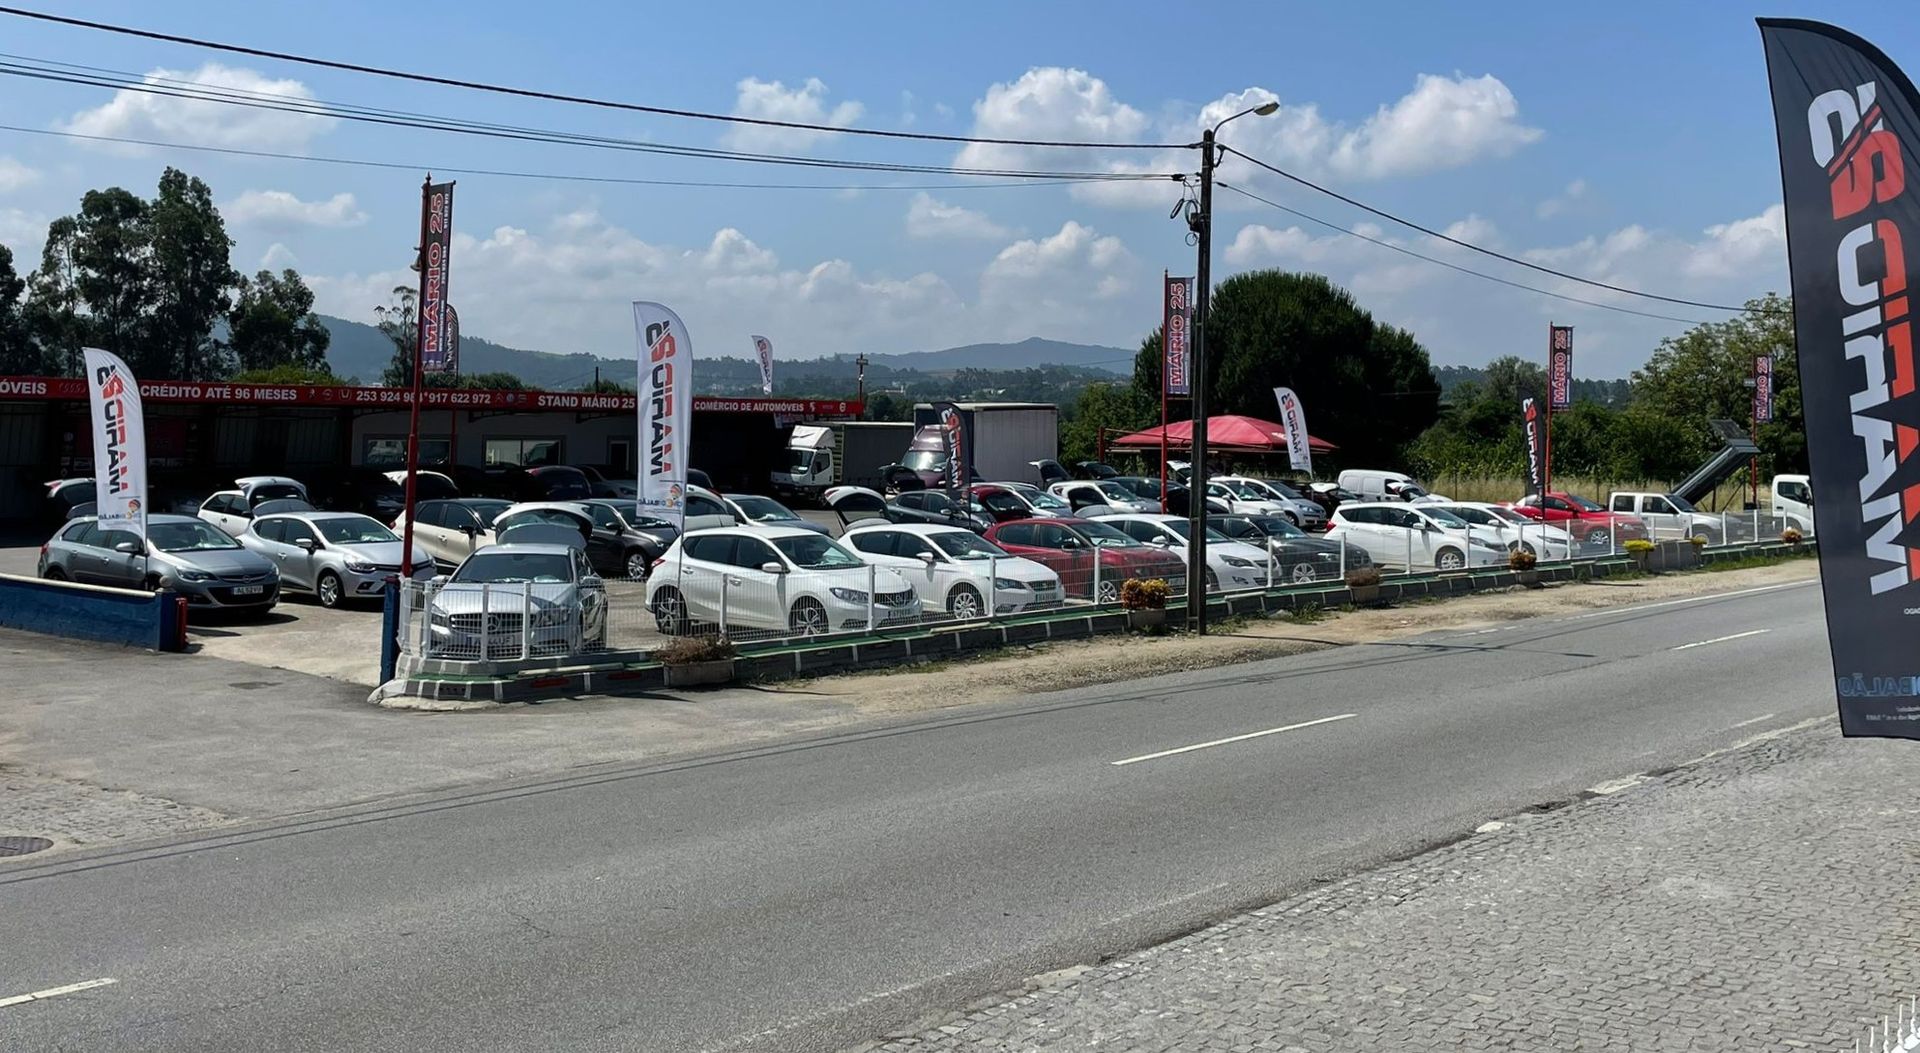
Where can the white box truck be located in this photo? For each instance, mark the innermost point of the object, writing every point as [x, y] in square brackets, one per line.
[1007, 438]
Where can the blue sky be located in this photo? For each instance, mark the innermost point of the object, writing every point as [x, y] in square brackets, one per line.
[1632, 142]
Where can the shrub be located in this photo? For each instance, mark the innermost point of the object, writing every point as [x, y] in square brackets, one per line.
[1699, 540]
[1792, 535]
[686, 650]
[1521, 559]
[1361, 577]
[1145, 594]
[1638, 546]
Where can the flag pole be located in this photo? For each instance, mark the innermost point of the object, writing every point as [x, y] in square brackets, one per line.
[1546, 455]
[419, 337]
[1165, 318]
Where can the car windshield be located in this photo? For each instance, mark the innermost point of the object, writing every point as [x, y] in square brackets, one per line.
[1244, 491]
[1472, 515]
[1509, 515]
[799, 460]
[639, 520]
[1104, 536]
[965, 544]
[765, 510]
[488, 511]
[1446, 518]
[427, 486]
[814, 552]
[1142, 486]
[1283, 490]
[505, 568]
[1043, 500]
[1185, 530]
[922, 460]
[359, 530]
[1682, 503]
[1277, 527]
[1408, 490]
[1584, 504]
[1115, 491]
[188, 537]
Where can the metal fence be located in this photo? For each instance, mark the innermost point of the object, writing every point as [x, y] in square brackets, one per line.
[514, 622]
[1899, 1033]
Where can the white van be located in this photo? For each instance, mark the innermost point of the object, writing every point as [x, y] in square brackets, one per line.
[1791, 501]
[1385, 486]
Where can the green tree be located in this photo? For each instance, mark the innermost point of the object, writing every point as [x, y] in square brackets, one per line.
[1702, 375]
[17, 351]
[399, 324]
[52, 311]
[191, 275]
[272, 325]
[477, 381]
[288, 373]
[112, 250]
[1103, 406]
[606, 386]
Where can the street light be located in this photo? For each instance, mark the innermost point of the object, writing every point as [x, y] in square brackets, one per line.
[1201, 221]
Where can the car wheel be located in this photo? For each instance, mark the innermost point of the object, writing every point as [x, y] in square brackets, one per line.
[637, 564]
[1449, 559]
[808, 618]
[964, 603]
[670, 612]
[1213, 581]
[1599, 538]
[55, 574]
[1292, 518]
[327, 589]
[1304, 572]
[1109, 592]
[1527, 547]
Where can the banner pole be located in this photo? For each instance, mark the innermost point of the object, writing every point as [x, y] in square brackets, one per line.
[1546, 454]
[413, 416]
[1164, 319]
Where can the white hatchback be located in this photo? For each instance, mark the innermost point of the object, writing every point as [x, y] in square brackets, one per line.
[1414, 537]
[1512, 529]
[777, 580]
[955, 569]
[1231, 565]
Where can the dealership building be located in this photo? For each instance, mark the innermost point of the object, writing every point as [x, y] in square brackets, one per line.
[222, 430]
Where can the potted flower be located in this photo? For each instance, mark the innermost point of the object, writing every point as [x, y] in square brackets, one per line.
[1522, 562]
[696, 661]
[1364, 584]
[1792, 536]
[1640, 550]
[1145, 601]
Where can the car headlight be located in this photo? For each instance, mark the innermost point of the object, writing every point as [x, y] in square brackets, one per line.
[1010, 583]
[550, 617]
[195, 575]
[359, 566]
[441, 618]
[1236, 561]
[849, 595]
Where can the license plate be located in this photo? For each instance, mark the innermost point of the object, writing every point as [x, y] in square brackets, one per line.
[249, 590]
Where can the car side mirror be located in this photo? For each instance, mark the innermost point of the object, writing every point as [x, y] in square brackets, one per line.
[127, 547]
[772, 567]
[439, 581]
[306, 543]
[927, 558]
[470, 530]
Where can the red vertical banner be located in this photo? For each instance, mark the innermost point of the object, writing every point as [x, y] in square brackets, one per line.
[1762, 389]
[437, 328]
[1175, 357]
[1560, 366]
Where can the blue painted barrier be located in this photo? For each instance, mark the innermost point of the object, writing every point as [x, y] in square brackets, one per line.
[154, 620]
[390, 630]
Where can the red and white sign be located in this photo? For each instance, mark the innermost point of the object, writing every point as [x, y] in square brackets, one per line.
[666, 409]
[1174, 357]
[1560, 366]
[1763, 389]
[119, 443]
[764, 349]
[436, 334]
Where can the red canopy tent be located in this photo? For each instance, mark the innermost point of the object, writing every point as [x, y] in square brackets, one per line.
[1228, 433]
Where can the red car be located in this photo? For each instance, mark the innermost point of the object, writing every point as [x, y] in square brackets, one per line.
[1010, 501]
[1074, 548]
[1590, 524]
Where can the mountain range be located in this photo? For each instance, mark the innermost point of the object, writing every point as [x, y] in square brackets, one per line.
[360, 351]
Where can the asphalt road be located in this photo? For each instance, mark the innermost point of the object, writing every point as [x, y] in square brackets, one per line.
[815, 893]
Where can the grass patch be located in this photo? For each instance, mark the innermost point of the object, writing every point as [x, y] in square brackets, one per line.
[1306, 615]
[1752, 562]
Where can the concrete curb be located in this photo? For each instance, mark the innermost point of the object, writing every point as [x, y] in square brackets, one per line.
[635, 675]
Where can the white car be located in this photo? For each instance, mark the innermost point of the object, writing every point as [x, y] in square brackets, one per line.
[1515, 531]
[778, 580]
[954, 569]
[1293, 506]
[1245, 499]
[233, 510]
[1101, 493]
[1231, 565]
[1414, 537]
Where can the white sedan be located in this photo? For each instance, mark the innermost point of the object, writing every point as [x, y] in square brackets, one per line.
[775, 579]
[953, 569]
[1231, 565]
[1515, 531]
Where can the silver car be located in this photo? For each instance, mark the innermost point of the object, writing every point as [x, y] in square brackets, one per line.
[337, 556]
[540, 600]
[182, 553]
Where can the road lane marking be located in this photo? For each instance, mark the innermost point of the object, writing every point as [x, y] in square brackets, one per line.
[1687, 599]
[1613, 786]
[1755, 720]
[1236, 738]
[55, 992]
[1720, 639]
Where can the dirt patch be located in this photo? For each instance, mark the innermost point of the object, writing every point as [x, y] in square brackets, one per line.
[1081, 663]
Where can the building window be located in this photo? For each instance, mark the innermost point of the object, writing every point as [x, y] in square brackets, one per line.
[390, 451]
[620, 454]
[527, 453]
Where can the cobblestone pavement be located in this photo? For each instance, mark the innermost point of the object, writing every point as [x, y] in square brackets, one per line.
[1762, 899]
[73, 814]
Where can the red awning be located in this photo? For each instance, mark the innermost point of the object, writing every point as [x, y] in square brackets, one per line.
[1229, 433]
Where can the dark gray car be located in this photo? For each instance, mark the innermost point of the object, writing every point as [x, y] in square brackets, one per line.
[183, 553]
[1302, 556]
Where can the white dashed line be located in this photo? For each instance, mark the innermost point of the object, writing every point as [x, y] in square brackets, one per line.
[1720, 639]
[1236, 738]
[1613, 786]
[55, 992]
[1754, 720]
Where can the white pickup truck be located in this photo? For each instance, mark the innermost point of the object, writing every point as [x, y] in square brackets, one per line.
[1790, 500]
[1668, 516]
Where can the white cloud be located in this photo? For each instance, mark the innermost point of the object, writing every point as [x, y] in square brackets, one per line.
[1064, 283]
[1048, 102]
[1561, 202]
[14, 175]
[929, 217]
[280, 209]
[774, 101]
[140, 115]
[26, 234]
[278, 257]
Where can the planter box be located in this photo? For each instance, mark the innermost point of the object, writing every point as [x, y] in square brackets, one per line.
[700, 674]
[1146, 617]
[1364, 594]
[1529, 578]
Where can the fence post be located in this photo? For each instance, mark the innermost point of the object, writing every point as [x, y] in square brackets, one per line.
[526, 620]
[724, 579]
[486, 594]
[1271, 560]
[873, 597]
[426, 617]
[1343, 557]
[1409, 551]
[993, 587]
[1095, 594]
[1613, 540]
[1756, 524]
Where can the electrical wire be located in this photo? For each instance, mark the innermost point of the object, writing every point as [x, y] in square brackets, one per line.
[1224, 185]
[548, 96]
[315, 108]
[562, 177]
[1430, 232]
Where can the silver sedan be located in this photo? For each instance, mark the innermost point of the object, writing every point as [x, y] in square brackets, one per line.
[336, 556]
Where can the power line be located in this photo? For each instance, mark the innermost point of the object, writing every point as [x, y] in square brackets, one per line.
[1452, 266]
[1430, 232]
[548, 96]
[563, 177]
[315, 108]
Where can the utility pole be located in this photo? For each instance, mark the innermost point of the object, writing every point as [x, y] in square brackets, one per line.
[860, 378]
[1202, 224]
